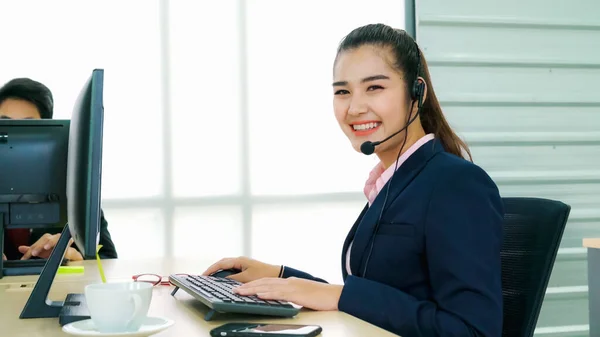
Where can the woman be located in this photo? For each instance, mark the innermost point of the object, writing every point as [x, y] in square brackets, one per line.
[423, 258]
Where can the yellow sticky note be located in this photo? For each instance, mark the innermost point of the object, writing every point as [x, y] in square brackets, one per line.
[100, 269]
[70, 270]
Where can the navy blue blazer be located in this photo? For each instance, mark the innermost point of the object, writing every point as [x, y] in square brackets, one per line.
[435, 265]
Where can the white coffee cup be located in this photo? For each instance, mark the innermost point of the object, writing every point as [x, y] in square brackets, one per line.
[118, 307]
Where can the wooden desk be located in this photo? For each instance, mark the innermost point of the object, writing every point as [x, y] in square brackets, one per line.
[593, 260]
[187, 312]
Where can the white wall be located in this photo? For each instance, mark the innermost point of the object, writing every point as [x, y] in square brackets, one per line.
[219, 131]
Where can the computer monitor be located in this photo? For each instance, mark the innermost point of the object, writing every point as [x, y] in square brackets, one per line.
[84, 169]
[83, 199]
[33, 172]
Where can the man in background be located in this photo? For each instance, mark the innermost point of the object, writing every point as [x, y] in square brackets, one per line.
[23, 98]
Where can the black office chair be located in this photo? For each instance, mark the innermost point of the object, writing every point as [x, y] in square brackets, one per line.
[533, 229]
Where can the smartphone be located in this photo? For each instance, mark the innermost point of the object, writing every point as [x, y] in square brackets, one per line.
[265, 329]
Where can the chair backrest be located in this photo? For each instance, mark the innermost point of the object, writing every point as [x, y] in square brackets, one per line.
[533, 229]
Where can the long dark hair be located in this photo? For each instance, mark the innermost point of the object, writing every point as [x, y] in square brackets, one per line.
[403, 49]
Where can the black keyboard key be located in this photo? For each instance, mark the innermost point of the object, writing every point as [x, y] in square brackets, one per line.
[202, 292]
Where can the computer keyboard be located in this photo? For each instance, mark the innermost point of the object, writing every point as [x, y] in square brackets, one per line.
[25, 263]
[217, 294]
[25, 267]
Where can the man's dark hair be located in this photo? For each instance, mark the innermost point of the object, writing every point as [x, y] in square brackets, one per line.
[31, 91]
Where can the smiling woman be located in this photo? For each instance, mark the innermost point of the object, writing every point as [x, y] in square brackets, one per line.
[428, 261]
[371, 90]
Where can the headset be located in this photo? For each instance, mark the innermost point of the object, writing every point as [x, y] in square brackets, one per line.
[416, 92]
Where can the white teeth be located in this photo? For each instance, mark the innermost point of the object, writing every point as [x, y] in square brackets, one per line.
[367, 126]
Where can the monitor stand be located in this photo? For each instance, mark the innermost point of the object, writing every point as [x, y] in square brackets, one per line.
[73, 309]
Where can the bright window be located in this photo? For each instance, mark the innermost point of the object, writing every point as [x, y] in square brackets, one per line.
[209, 232]
[205, 103]
[296, 145]
[308, 237]
[136, 232]
[69, 40]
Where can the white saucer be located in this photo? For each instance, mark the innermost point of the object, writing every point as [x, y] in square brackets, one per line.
[150, 326]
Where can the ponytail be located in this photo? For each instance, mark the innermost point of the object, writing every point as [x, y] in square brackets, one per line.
[433, 120]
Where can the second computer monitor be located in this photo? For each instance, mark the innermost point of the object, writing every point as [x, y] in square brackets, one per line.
[84, 170]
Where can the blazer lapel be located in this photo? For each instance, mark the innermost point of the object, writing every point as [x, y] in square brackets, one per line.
[349, 239]
[401, 178]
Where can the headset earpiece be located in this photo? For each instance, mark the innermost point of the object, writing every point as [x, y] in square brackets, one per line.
[418, 91]
[418, 88]
[414, 94]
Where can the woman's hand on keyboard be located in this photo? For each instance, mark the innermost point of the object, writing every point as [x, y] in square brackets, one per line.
[250, 269]
[307, 293]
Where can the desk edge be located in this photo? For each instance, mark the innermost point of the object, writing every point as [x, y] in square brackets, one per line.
[591, 243]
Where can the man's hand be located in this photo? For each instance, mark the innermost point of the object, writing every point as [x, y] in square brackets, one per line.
[309, 294]
[44, 246]
[3, 257]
